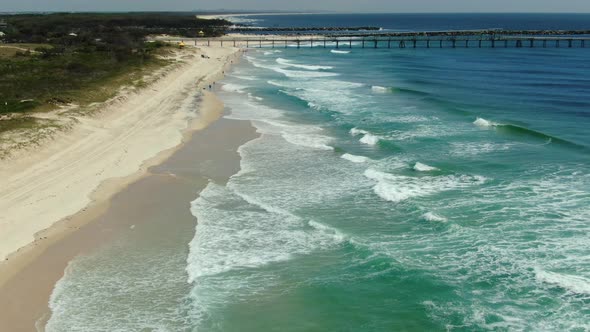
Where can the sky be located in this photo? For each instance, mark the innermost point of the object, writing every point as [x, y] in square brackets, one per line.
[430, 6]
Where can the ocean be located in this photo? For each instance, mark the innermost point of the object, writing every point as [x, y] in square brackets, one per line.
[389, 190]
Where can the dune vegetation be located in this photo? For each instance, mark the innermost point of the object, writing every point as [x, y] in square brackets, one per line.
[54, 60]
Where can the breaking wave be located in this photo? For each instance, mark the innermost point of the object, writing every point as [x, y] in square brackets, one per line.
[290, 63]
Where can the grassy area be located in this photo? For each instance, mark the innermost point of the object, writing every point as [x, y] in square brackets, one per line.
[54, 61]
[31, 80]
[11, 50]
[58, 59]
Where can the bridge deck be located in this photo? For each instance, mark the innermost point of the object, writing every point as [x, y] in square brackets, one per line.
[411, 41]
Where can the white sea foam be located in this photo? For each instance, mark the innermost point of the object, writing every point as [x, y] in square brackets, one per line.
[297, 134]
[303, 74]
[380, 89]
[356, 131]
[367, 138]
[238, 233]
[370, 139]
[354, 158]
[339, 52]
[475, 148]
[239, 237]
[290, 63]
[397, 188]
[84, 296]
[571, 283]
[325, 94]
[251, 96]
[245, 78]
[230, 87]
[430, 216]
[309, 140]
[250, 110]
[481, 122]
[290, 73]
[336, 234]
[420, 167]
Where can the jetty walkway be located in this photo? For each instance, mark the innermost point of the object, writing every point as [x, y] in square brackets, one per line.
[437, 39]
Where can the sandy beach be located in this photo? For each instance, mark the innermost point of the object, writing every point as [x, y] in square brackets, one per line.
[62, 200]
[229, 16]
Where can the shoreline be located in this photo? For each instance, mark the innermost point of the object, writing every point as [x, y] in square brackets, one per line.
[173, 130]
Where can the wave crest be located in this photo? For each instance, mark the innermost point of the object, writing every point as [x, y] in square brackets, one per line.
[289, 63]
[380, 89]
[420, 167]
[398, 188]
[354, 158]
[367, 138]
[571, 283]
[430, 216]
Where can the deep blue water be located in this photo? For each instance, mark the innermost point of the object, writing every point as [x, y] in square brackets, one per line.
[429, 22]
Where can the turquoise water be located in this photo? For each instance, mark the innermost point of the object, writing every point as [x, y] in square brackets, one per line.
[390, 190]
[408, 190]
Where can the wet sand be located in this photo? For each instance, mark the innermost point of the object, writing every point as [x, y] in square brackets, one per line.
[152, 207]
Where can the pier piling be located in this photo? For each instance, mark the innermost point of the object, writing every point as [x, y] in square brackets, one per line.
[416, 40]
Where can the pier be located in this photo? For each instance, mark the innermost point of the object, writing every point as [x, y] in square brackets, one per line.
[437, 39]
[383, 42]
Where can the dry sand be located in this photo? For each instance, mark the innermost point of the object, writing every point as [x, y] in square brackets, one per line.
[229, 15]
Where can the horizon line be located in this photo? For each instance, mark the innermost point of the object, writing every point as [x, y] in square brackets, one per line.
[238, 12]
